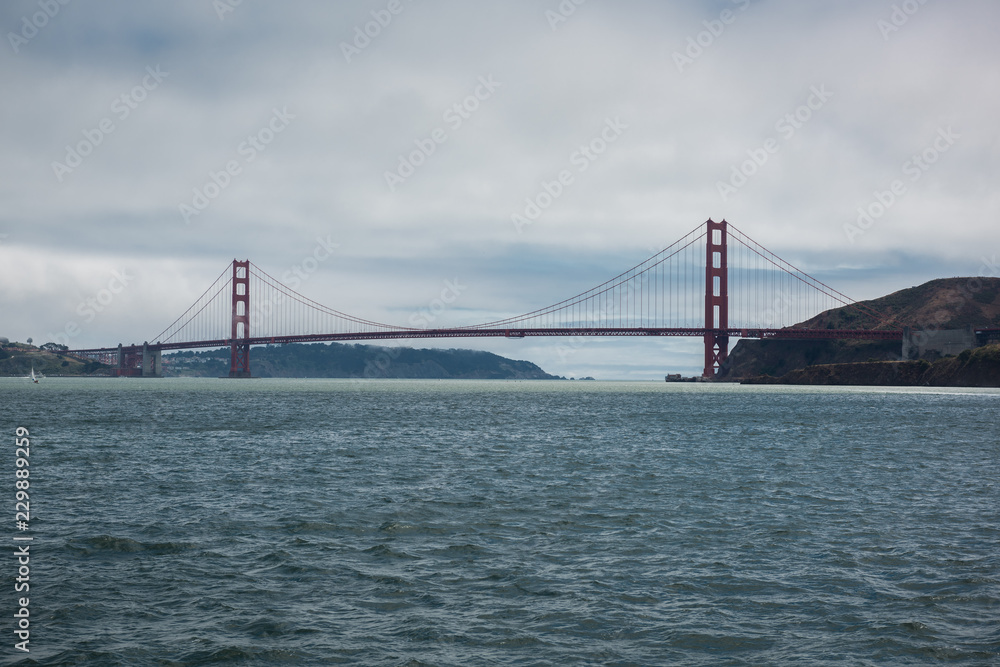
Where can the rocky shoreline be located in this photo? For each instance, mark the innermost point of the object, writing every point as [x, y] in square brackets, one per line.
[979, 367]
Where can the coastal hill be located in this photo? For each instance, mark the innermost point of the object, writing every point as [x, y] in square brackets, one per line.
[316, 360]
[336, 360]
[17, 359]
[979, 367]
[946, 303]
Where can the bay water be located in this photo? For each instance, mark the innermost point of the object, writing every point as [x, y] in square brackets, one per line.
[383, 522]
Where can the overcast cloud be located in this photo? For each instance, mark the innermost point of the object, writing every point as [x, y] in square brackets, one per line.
[309, 118]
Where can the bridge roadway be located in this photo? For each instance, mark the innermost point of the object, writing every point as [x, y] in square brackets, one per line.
[402, 334]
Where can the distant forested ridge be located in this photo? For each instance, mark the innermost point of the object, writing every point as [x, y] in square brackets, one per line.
[336, 360]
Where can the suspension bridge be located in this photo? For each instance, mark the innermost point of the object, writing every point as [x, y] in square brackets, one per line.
[714, 283]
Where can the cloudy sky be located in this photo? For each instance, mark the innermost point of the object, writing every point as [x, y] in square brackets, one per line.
[146, 144]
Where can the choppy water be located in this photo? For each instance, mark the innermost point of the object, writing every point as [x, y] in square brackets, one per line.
[269, 522]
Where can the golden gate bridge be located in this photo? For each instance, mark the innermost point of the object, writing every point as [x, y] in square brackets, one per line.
[714, 283]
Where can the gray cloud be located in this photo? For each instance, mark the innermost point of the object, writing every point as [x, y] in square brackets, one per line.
[893, 93]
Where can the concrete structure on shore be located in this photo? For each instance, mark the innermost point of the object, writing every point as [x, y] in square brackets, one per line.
[937, 343]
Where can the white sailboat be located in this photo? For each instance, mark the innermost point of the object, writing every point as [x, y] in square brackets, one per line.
[34, 378]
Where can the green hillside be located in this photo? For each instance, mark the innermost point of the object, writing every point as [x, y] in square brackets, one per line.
[335, 360]
[17, 359]
[945, 303]
[979, 367]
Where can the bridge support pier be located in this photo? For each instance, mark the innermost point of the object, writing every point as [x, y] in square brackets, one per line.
[151, 362]
[239, 358]
[716, 298]
[716, 353]
[132, 361]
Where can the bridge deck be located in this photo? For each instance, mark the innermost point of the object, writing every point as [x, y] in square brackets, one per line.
[404, 334]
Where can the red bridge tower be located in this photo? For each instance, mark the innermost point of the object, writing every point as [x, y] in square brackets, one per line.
[716, 298]
[239, 366]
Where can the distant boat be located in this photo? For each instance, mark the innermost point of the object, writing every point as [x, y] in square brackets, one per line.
[34, 378]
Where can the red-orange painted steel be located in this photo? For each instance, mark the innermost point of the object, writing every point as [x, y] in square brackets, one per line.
[239, 364]
[715, 334]
[716, 297]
